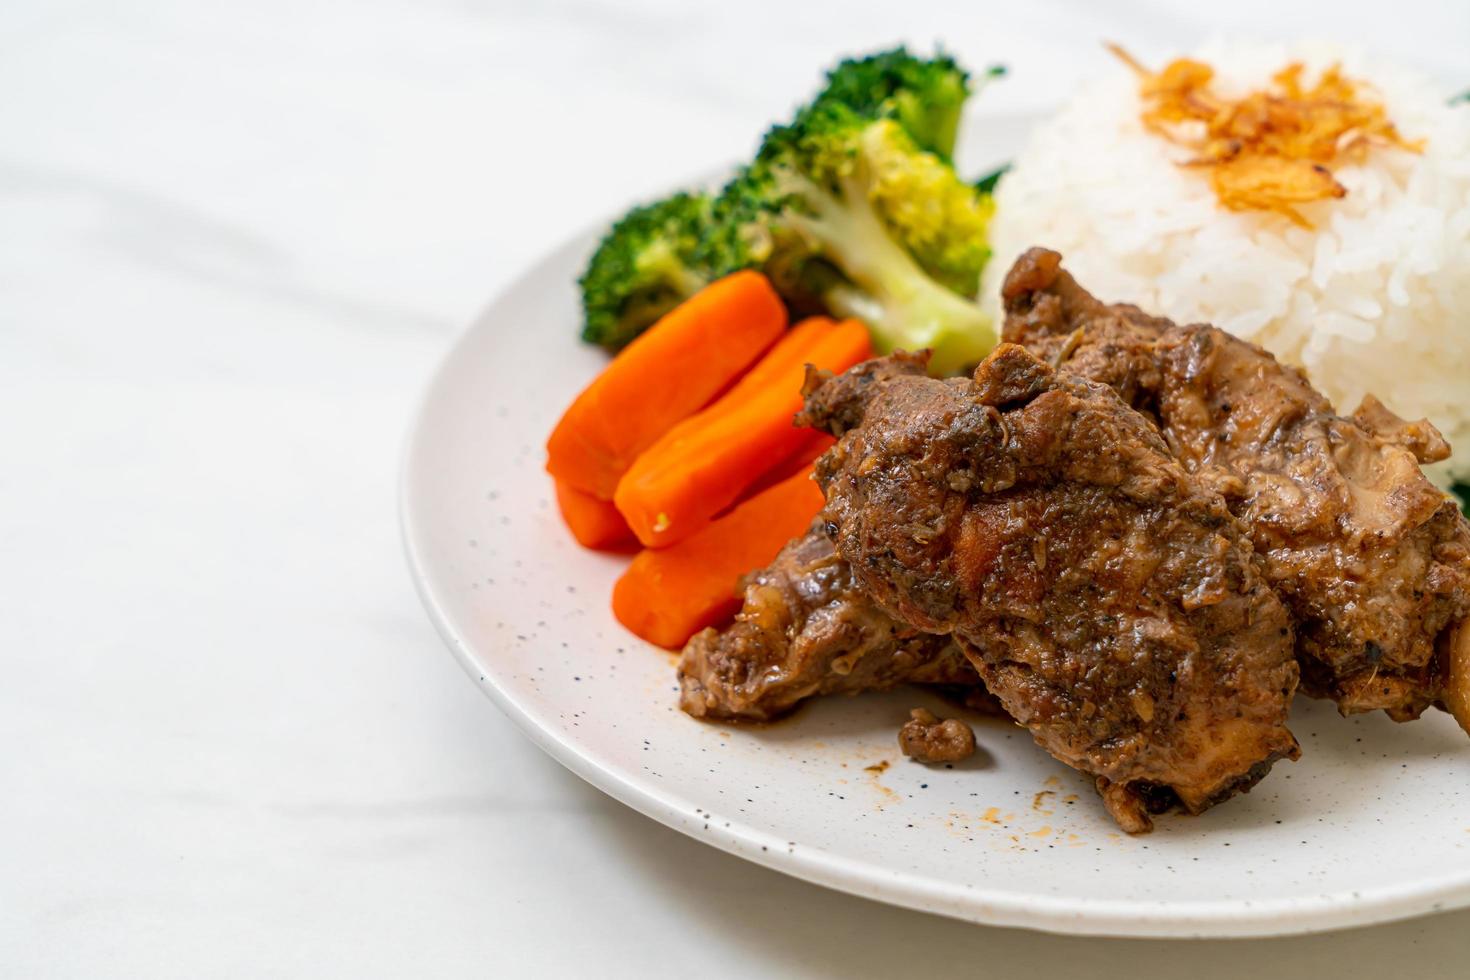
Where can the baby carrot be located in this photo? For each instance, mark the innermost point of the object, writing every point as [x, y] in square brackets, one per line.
[669, 594]
[705, 463]
[671, 371]
[594, 523]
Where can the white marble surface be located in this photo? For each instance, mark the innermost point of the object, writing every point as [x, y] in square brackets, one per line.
[234, 239]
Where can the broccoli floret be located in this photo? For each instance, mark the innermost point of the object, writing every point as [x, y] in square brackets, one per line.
[942, 221]
[746, 233]
[739, 238]
[924, 95]
[854, 207]
[648, 263]
[850, 209]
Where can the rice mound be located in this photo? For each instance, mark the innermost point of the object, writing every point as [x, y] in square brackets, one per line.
[1375, 297]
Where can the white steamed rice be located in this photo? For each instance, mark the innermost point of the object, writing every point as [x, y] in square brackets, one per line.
[1376, 298]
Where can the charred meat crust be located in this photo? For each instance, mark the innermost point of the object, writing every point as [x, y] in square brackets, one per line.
[1371, 559]
[1107, 598]
[806, 628]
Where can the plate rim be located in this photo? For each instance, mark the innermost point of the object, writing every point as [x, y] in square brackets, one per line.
[1215, 918]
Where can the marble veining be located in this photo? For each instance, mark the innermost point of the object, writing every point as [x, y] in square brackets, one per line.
[235, 241]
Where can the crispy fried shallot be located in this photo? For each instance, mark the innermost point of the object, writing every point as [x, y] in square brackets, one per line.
[1271, 149]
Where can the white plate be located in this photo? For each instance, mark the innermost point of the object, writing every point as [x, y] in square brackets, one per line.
[1372, 824]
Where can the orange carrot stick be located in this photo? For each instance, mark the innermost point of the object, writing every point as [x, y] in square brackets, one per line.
[789, 353]
[791, 350]
[805, 455]
[668, 595]
[671, 371]
[705, 463]
[594, 523]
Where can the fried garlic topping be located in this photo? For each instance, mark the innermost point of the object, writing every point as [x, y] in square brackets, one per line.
[1271, 149]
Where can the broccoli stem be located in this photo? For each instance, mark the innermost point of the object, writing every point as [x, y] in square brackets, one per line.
[887, 289]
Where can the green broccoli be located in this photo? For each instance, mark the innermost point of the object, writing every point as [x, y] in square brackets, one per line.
[854, 208]
[924, 95]
[850, 209]
[648, 263]
[987, 184]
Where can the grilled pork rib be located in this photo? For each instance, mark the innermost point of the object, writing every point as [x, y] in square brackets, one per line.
[1372, 560]
[806, 628]
[1107, 598]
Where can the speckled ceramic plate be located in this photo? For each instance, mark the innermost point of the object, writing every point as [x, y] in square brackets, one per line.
[1372, 824]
